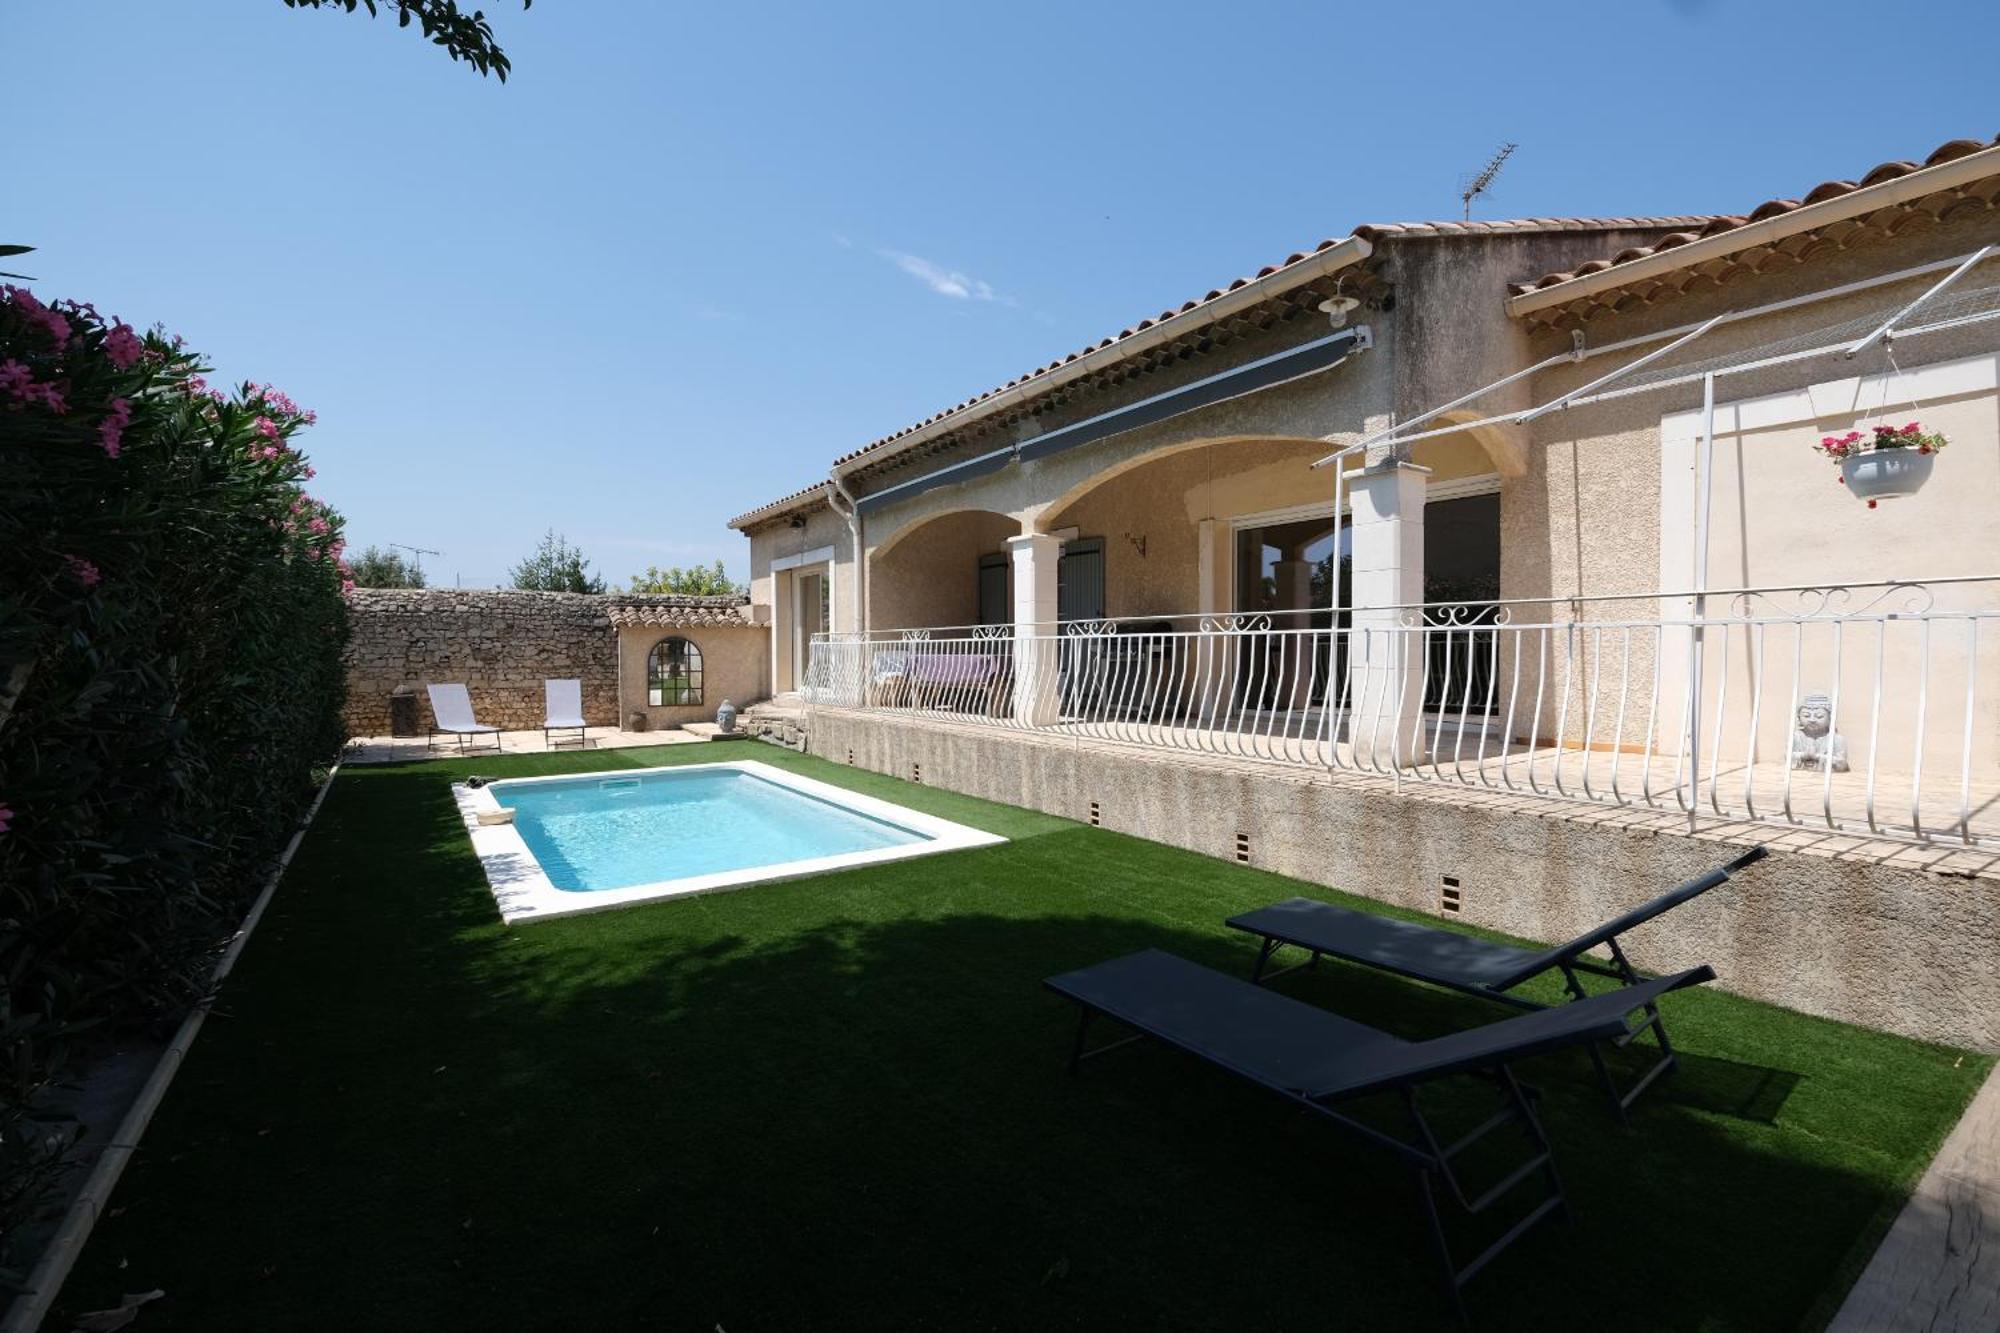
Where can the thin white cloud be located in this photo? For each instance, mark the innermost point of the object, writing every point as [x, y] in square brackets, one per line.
[944, 281]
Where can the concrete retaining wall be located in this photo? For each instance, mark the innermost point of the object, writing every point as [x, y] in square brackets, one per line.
[1904, 950]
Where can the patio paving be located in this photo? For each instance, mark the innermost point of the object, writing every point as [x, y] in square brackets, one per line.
[1938, 1270]
[409, 749]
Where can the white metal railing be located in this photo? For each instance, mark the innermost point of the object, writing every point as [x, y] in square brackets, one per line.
[1663, 702]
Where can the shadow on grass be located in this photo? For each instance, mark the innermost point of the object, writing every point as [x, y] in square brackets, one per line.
[841, 1103]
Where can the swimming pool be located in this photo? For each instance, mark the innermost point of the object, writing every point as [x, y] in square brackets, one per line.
[586, 842]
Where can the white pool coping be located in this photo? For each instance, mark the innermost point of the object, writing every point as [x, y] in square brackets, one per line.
[523, 891]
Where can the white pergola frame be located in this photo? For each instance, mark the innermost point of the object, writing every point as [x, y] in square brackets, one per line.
[1599, 390]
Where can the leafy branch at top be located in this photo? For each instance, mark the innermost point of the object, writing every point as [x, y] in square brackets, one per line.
[464, 36]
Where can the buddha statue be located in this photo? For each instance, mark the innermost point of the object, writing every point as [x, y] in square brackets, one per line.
[1816, 744]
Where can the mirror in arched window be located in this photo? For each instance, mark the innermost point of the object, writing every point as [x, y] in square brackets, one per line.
[673, 673]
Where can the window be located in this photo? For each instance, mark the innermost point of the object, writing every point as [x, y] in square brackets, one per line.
[673, 673]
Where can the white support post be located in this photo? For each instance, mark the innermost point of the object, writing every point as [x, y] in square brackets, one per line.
[1385, 661]
[1705, 505]
[1036, 696]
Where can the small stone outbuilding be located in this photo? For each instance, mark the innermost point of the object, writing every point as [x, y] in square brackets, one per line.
[503, 643]
[680, 658]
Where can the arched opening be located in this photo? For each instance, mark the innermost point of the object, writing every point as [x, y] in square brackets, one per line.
[950, 569]
[1168, 521]
[673, 673]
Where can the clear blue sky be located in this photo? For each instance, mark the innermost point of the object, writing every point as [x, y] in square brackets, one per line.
[689, 254]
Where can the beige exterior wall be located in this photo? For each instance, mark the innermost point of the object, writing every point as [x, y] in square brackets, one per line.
[734, 662]
[779, 554]
[1608, 506]
[931, 575]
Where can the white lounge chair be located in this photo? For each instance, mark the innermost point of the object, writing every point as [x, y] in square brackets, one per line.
[565, 711]
[452, 708]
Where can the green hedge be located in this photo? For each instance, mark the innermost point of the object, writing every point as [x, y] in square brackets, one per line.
[171, 626]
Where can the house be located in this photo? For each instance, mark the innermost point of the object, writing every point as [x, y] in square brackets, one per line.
[1445, 538]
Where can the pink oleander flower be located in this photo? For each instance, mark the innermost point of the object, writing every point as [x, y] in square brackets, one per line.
[83, 571]
[6, 816]
[269, 452]
[37, 313]
[15, 378]
[347, 587]
[311, 472]
[111, 431]
[319, 527]
[265, 427]
[122, 347]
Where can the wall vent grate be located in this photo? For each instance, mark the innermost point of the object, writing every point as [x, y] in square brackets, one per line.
[850, 758]
[1448, 895]
[1243, 848]
[1096, 815]
[916, 772]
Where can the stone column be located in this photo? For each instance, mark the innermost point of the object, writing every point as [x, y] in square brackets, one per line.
[1385, 662]
[1036, 698]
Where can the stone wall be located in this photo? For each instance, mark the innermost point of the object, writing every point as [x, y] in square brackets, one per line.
[500, 643]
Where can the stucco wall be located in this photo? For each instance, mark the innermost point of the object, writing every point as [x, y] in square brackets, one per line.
[735, 662]
[1607, 506]
[931, 576]
[500, 644]
[1897, 949]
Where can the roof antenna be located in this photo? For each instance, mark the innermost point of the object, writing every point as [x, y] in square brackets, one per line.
[1479, 184]
[417, 553]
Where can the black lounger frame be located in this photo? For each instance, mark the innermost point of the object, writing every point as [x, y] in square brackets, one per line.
[1568, 959]
[1430, 1159]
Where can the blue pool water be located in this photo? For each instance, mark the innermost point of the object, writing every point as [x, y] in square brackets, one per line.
[602, 832]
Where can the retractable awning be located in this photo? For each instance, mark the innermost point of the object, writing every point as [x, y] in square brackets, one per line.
[1313, 358]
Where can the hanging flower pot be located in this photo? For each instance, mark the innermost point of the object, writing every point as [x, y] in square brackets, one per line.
[1895, 462]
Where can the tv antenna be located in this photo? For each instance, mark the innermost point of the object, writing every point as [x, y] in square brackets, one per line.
[1482, 181]
[417, 553]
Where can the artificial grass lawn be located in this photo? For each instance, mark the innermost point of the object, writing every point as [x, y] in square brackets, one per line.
[841, 1102]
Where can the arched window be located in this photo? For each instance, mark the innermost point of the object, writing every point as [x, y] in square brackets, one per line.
[673, 673]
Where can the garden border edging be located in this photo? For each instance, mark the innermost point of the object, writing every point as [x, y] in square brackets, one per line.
[51, 1270]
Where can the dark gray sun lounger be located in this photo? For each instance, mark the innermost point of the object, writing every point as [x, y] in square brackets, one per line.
[1476, 966]
[1321, 1061]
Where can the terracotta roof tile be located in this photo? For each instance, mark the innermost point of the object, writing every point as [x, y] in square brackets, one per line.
[1770, 208]
[672, 611]
[817, 491]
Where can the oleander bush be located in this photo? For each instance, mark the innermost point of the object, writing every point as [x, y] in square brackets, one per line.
[171, 625]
